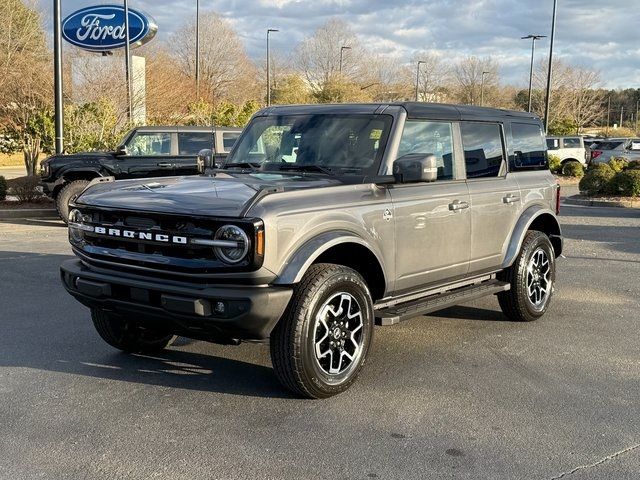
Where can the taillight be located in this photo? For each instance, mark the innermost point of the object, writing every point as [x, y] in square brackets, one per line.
[595, 154]
[558, 199]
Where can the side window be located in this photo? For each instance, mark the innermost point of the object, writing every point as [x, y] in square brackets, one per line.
[229, 140]
[190, 143]
[571, 143]
[553, 143]
[430, 138]
[483, 152]
[528, 147]
[149, 144]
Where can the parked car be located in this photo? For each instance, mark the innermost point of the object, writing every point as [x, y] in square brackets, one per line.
[568, 149]
[627, 148]
[144, 152]
[323, 220]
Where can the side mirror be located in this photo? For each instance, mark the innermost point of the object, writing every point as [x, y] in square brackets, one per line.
[205, 160]
[121, 150]
[415, 167]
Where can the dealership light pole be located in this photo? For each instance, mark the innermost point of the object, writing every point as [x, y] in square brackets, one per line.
[482, 88]
[533, 51]
[549, 70]
[342, 49]
[198, 49]
[57, 74]
[420, 62]
[127, 61]
[269, 30]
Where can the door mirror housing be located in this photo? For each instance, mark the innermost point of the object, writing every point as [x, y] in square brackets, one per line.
[205, 160]
[416, 167]
[121, 150]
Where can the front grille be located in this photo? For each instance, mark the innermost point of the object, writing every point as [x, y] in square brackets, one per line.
[157, 255]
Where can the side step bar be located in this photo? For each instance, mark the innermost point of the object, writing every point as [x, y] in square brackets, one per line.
[439, 301]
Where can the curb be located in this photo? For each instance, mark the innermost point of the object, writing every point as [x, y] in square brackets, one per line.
[588, 202]
[24, 213]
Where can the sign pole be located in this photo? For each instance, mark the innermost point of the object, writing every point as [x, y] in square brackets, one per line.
[127, 62]
[198, 50]
[57, 74]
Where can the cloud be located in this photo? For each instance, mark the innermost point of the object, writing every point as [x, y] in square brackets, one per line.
[589, 33]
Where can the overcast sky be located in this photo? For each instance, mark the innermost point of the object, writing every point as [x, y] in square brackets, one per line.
[601, 34]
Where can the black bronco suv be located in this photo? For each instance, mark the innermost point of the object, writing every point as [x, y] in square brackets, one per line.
[324, 220]
[144, 152]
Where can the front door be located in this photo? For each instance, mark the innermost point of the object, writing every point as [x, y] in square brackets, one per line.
[149, 154]
[433, 220]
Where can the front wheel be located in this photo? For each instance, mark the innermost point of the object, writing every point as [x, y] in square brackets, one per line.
[129, 336]
[321, 343]
[68, 194]
[532, 277]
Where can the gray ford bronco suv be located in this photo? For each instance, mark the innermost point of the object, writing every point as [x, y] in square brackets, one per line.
[323, 221]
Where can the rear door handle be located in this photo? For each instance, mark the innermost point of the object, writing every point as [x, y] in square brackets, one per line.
[165, 165]
[510, 199]
[458, 205]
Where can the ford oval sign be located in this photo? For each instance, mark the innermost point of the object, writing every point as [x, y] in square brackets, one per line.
[101, 28]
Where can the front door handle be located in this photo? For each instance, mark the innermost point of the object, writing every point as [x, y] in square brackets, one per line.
[458, 205]
[510, 199]
[165, 165]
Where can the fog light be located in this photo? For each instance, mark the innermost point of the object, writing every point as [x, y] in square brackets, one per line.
[219, 307]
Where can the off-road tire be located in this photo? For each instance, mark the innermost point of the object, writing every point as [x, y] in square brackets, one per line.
[293, 354]
[515, 303]
[67, 194]
[125, 335]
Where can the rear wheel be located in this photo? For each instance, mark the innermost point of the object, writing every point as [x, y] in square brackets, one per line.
[568, 165]
[68, 194]
[322, 341]
[531, 276]
[129, 336]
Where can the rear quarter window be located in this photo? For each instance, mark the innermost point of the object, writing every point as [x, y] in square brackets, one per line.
[571, 143]
[528, 147]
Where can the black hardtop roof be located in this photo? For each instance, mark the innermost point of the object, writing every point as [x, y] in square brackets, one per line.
[414, 110]
[184, 128]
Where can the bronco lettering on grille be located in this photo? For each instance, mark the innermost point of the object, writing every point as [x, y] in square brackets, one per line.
[157, 237]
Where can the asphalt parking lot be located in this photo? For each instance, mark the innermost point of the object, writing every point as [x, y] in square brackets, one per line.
[462, 393]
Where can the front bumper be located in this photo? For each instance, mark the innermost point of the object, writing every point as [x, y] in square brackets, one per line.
[221, 313]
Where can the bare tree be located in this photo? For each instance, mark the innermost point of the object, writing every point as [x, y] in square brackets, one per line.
[433, 77]
[226, 72]
[468, 79]
[318, 56]
[25, 83]
[575, 97]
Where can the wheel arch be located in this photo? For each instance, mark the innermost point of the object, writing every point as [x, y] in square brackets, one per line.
[534, 218]
[75, 174]
[343, 248]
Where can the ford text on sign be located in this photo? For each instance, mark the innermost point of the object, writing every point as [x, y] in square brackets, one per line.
[102, 28]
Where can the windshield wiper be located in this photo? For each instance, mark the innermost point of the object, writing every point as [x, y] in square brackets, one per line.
[251, 165]
[307, 168]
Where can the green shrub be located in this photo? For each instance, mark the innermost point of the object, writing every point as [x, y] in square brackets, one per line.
[633, 165]
[618, 164]
[554, 164]
[597, 180]
[3, 188]
[24, 188]
[573, 169]
[627, 183]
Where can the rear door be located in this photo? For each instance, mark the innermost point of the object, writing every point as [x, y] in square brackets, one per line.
[149, 154]
[433, 222]
[495, 195]
[189, 144]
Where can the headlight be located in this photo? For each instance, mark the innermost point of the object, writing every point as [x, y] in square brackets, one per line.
[77, 225]
[237, 244]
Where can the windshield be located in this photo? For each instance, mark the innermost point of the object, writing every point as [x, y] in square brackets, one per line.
[339, 144]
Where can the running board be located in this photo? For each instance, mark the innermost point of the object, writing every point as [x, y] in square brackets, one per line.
[439, 301]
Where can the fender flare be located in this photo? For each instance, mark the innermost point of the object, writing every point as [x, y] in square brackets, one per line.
[298, 263]
[520, 230]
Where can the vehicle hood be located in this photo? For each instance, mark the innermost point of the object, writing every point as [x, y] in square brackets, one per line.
[56, 161]
[222, 195]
